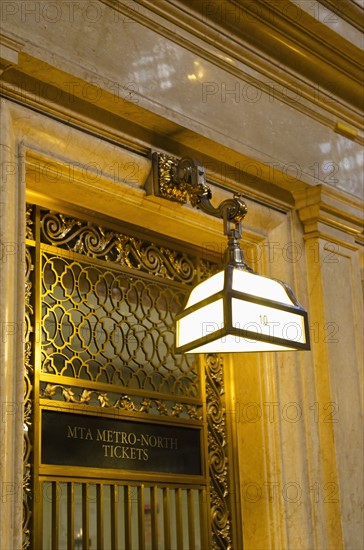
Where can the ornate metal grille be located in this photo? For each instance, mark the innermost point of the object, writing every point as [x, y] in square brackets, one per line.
[104, 338]
[123, 250]
[28, 397]
[103, 326]
[218, 459]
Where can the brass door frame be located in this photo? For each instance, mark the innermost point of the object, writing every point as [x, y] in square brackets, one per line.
[215, 473]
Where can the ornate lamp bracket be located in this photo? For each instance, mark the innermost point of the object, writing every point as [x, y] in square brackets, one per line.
[183, 180]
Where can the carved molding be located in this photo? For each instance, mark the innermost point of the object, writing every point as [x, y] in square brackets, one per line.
[28, 404]
[148, 405]
[217, 454]
[322, 206]
[9, 51]
[163, 181]
[29, 222]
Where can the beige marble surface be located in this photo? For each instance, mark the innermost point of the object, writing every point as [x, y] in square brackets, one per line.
[193, 85]
[228, 102]
[295, 459]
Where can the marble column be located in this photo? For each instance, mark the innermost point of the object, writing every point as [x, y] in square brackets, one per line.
[333, 234]
[12, 285]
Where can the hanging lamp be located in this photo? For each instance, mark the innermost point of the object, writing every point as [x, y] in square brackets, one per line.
[235, 310]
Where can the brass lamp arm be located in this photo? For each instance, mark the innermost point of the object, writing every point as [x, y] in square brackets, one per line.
[190, 176]
[185, 179]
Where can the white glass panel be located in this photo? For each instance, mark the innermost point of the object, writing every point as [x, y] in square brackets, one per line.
[256, 285]
[200, 323]
[268, 320]
[206, 288]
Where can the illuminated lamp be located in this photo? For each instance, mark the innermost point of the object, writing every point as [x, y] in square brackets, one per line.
[234, 310]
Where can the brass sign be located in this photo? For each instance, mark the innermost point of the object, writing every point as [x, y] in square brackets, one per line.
[70, 439]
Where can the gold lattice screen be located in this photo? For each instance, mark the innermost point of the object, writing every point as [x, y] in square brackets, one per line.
[100, 308]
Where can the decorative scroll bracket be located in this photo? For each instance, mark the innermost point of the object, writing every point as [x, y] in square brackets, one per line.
[185, 180]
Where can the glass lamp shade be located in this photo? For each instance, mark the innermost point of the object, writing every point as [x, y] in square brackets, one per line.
[238, 311]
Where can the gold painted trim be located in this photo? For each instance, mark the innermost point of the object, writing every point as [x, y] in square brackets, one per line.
[9, 42]
[113, 388]
[76, 473]
[347, 10]
[61, 406]
[28, 403]
[116, 248]
[9, 52]
[217, 454]
[346, 131]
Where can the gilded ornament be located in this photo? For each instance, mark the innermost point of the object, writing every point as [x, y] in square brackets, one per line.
[96, 242]
[218, 460]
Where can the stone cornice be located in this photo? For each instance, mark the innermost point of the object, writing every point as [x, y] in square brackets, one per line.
[322, 206]
[348, 10]
[295, 39]
[9, 52]
[321, 98]
[106, 118]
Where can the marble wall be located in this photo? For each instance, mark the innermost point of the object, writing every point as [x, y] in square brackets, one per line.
[88, 92]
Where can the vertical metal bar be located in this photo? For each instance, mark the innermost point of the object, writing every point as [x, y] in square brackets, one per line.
[85, 517]
[70, 516]
[141, 517]
[114, 516]
[154, 518]
[191, 520]
[167, 518]
[100, 515]
[179, 525]
[203, 518]
[127, 513]
[38, 507]
[55, 516]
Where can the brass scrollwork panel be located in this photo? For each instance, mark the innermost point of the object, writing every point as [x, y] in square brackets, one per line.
[28, 401]
[217, 454]
[107, 338]
[123, 402]
[114, 247]
[102, 325]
